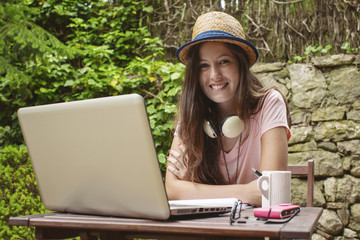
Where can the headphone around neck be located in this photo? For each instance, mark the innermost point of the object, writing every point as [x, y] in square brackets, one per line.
[230, 127]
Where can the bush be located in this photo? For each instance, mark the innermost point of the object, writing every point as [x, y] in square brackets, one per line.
[18, 190]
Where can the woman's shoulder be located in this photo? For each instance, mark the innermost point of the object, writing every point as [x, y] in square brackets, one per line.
[273, 97]
[272, 101]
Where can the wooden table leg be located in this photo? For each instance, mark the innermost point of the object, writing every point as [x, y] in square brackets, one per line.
[89, 235]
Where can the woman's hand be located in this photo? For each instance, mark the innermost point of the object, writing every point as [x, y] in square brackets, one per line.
[177, 165]
[253, 195]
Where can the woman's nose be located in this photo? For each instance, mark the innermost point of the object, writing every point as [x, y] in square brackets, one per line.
[215, 73]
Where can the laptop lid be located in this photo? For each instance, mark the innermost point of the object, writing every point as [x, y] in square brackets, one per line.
[95, 156]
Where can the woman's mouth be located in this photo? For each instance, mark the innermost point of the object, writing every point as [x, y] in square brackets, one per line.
[218, 86]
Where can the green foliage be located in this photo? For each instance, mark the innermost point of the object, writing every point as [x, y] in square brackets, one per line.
[103, 31]
[347, 47]
[160, 83]
[317, 49]
[100, 38]
[18, 191]
[24, 46]
[311, 51]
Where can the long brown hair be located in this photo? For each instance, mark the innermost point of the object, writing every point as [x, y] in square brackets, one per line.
[194, 107]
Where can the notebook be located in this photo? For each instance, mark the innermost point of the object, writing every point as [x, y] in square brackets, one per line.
[98, 156]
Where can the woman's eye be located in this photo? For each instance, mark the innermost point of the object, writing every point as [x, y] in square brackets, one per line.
[204, 65]
[224, 61]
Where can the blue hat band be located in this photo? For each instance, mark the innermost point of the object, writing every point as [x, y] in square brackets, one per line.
[215, 34]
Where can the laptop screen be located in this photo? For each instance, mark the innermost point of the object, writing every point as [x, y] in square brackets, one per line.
[96, 156]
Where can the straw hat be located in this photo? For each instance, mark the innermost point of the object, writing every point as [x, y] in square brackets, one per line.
[220, 27]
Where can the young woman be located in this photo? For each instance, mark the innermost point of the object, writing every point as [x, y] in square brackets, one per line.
[228, 122]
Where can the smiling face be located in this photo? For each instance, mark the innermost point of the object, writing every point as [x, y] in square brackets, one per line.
[219, 72]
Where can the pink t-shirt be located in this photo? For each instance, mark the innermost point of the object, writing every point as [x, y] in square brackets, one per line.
[272, 114]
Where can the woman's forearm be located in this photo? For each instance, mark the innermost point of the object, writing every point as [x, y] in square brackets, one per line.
[179, 189]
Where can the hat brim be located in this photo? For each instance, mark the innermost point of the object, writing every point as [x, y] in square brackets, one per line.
[218, 36]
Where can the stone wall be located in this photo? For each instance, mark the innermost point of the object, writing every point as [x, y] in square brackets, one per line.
[324, 100]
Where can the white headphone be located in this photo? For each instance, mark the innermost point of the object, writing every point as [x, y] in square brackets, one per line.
[230, 127]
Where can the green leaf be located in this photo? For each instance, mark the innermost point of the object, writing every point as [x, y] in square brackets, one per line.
[175, 76]
[69, 83]
[148, 9]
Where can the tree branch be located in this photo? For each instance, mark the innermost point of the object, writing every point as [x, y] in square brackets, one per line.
[287, 24]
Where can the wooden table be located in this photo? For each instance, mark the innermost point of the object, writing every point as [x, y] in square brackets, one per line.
[64, 225]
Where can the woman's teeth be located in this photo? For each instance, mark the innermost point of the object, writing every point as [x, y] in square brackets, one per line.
[217, 87]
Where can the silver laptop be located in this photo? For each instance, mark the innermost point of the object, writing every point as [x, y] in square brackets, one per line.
[97, 156]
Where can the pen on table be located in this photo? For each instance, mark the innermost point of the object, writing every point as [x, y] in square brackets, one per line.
[257, 172]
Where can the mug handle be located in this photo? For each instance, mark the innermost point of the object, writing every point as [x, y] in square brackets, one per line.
[264, 192]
